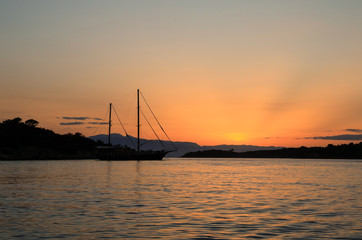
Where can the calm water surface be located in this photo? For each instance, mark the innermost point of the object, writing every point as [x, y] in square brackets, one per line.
[182, 199]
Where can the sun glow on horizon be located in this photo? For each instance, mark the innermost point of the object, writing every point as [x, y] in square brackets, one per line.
[215, 72]
[236, 137]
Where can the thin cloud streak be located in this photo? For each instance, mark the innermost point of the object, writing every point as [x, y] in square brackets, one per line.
[351, 137]
[76, 118]
[97, 123]
[71, 123]
[82, 118]
[353, 130]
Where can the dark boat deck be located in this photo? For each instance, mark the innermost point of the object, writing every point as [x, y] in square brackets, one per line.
[128, 154]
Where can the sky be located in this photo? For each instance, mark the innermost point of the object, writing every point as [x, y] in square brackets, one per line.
[269, 73]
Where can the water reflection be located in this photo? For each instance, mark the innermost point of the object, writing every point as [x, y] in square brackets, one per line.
[182, 199]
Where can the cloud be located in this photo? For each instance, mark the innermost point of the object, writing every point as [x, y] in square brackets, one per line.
[97, 123]
[81, 118]
[353, 130]
[351, 137]
[71, 123]
[76, 118]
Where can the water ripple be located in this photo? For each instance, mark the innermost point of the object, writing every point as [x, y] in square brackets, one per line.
[181, 199]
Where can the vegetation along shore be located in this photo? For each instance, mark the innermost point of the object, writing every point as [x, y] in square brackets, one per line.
[26, 141]
[344, 151]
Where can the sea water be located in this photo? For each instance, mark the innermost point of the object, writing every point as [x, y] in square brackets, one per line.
[181, 199]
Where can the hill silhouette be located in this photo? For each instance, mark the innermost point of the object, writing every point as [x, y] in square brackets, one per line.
[25, 141]
[182, 147]
[344, 151]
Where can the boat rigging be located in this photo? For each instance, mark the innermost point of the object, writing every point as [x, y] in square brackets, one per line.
[126, 153]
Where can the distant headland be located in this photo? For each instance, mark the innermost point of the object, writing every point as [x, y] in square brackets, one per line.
[25, 141]
[344, 151]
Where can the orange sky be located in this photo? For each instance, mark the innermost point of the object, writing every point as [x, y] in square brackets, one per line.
[215, 72]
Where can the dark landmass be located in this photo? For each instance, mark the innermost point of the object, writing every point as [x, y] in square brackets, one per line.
[182, 147]
[344, 151]
[25, 141]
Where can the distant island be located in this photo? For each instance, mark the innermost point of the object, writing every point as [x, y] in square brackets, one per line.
[344, 151]
[182, 147]
[25, 141]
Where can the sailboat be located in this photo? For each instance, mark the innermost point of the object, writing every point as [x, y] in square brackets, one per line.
[125, 153]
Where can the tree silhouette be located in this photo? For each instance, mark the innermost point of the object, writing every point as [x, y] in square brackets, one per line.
[19, 140]
[31, 123]
[344, 151]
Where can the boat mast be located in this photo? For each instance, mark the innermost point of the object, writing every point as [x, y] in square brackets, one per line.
[138, 120]
[109, 124]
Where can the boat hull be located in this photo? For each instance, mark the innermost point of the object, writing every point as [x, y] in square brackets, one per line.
[131, 156]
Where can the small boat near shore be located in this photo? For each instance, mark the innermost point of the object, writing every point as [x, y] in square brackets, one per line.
[125, 153]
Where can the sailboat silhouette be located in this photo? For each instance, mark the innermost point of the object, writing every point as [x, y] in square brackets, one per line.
[126, 153]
